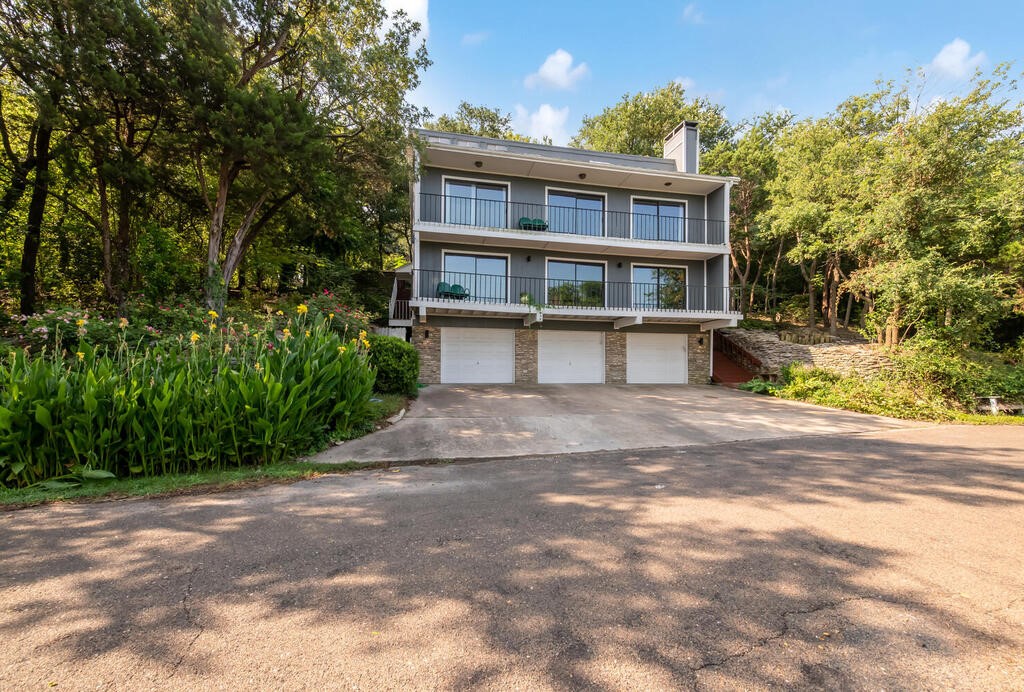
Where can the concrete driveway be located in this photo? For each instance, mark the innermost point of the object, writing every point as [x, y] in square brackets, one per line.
[486, 421]
[889, 560]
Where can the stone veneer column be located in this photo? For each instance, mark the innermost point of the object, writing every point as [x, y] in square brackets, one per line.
[526, 356]
[700, 358]
[429, 349]
[614, 358]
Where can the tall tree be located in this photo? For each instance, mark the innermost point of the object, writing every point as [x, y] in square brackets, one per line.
[279, 91]
[753, 157]
[639, 122]
[481, 121]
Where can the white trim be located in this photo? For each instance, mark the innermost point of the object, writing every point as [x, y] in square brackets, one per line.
[628, 321]
[705, 282]
[711, 351]
[532, 317]
[604, 209]
[604, 275]
[686, 216]
[508, 265]
[686, 269]
[508, 196]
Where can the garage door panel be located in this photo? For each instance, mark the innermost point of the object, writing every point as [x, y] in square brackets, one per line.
[570, 357]
[656, 359]
[478, 356]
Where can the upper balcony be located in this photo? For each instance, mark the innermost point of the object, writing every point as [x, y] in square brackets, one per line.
[580, 222]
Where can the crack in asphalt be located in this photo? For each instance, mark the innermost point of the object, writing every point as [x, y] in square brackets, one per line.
[786, 628]
[190, 619]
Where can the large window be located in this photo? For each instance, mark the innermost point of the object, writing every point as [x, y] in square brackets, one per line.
[475, 204]
[575, 283]
[654, 220]
[571, 212]
[481, 278]
[659, 288]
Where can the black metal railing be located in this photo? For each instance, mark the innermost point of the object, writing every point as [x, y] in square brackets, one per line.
[527, 216]
[494, 289]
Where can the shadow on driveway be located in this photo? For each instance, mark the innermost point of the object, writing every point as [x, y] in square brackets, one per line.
[889, 560]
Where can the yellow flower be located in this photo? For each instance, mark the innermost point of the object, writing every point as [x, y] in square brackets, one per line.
[81, 356]
[123, 322]
[194, 338]
[330, 315]
[213, 314]
[279, 313]
[362, 335]
[227, 348]
[286, 332]
[302, 309]
[80, 323]
[213, 325]
[341, 349]
[307, 333]
[257, 367]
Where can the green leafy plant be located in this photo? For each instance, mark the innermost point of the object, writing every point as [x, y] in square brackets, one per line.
[397, 364]
[226, 397]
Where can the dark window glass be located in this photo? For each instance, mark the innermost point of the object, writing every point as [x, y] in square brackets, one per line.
[654, 220]
[475, 204]
[480, 278]
[579, 214]
[577, 284]
[659, 288]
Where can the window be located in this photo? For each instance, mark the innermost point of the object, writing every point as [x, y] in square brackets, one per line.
[575, 283]
[580, 214]
[475, 204]
[482, 278]
[653, 220]
[659, 288]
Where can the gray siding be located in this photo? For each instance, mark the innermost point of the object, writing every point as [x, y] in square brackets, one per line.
[533, 271]
[552, 324]
[528, 197]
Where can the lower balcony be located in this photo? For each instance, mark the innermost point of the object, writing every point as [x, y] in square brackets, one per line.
[535, 298]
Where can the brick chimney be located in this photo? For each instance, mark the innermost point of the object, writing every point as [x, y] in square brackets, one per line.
[682, 145]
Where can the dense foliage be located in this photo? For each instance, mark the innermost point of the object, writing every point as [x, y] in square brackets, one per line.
[224, 397]
[901, 217]
[397, 364]
[929, 381]
[200, 148]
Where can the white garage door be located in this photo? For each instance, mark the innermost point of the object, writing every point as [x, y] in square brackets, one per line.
[656, 358]
[486, 356]
[570, 357]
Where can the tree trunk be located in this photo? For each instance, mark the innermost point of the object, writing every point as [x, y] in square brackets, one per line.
[122, 249]
[108, 261]
[809, 273]
[833, 298]
[849, 310]
[34, 222]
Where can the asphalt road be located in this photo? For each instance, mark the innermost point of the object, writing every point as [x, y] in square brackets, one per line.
[886, 560]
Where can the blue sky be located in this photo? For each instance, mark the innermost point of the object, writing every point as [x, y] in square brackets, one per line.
[550, 63]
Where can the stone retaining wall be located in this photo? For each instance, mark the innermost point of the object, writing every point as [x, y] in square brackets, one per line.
[842, 356]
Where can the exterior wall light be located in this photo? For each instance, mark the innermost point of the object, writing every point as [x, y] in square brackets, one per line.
[478, 164]
[583, 176]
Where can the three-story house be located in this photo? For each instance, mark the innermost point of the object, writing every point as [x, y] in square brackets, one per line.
[543, 264]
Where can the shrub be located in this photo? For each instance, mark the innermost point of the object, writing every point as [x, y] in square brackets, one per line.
[397, 364]
[206, 401]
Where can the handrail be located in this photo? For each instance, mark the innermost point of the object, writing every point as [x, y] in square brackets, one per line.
[554, 293]
[532, 217]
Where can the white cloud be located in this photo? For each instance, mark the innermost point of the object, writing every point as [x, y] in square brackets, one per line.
[557, 72]
[475, 38]
[546, 121]
[955, 60]
[688, 83]
[692, 14]
[417, 11]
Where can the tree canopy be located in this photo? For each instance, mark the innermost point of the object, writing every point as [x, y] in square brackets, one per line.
[638, 123]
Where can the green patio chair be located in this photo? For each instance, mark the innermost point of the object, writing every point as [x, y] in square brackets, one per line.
[525, 223]
[540, 225]
[458, 292]
[444, 290]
